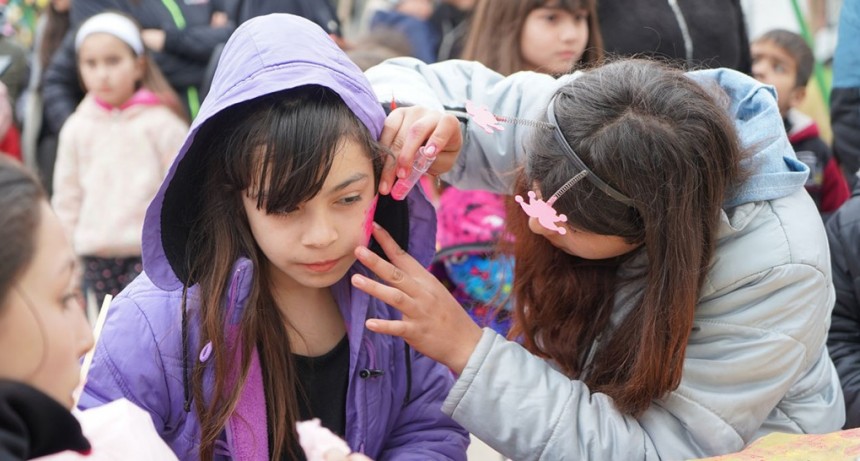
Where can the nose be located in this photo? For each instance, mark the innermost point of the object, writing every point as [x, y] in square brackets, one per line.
[320, 231]
[83, 332]
[571, 31]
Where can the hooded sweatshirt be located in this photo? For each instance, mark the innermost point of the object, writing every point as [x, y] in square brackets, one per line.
[394, 394]
[755, 361]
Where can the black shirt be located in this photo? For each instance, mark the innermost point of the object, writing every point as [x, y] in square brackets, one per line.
[321, 388]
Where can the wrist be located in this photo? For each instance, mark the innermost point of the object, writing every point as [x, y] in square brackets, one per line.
[464, 350]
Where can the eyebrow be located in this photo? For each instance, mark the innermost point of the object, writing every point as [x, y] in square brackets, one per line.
[352, 179]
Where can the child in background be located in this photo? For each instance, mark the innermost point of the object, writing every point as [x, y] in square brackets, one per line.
[784, 60]
[114, 151]
[548, 36]
[545, 36]
[244, 321]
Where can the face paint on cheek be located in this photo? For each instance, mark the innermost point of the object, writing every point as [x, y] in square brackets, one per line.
[368, 220]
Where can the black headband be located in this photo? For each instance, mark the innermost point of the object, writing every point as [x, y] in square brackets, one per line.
[606, 188]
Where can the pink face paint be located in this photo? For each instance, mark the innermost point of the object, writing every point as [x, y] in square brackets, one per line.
[368, 220]
[425, 157]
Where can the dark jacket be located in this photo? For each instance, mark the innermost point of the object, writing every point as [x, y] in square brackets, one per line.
[32, 424]
[826, 184]
[188, 45]
[701, 34]
[320, 12]
[845, 97]
[843, 233]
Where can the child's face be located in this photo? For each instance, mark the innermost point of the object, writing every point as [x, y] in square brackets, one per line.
[43, 330]
[312, 246]
[578, 242]
[772, 65]
[586, 245]
[109, 68]
[553, 39]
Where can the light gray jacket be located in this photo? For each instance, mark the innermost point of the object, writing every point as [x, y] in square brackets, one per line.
[756, 360]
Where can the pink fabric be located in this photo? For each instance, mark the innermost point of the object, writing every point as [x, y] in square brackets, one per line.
[316, 440]
[141, 97]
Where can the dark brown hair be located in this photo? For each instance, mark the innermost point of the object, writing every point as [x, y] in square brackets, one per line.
[56, 26]
[20, 215]
[301, 131]
[153, 79]
[496, 27]
[797, 48]
[663, 140]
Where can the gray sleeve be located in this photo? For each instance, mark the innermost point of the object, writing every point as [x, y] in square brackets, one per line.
[486, 161]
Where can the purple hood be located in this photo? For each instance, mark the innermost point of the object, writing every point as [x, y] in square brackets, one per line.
[273, 53]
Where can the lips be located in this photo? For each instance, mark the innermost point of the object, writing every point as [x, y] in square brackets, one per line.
[322, 266]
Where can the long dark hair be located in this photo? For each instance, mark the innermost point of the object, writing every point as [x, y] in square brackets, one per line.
[56, 26]
[664, 141]
[20, 215]
[281, 146]
[496, 27]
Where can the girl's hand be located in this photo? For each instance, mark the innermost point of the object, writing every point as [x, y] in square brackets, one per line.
[433, 322]
[408, 128]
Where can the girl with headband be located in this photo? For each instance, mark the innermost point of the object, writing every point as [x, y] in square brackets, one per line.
[673, 286]
[114, 151]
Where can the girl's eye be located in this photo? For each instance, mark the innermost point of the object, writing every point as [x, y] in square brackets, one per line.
[350, 200]
[551, 17]
[282, 212]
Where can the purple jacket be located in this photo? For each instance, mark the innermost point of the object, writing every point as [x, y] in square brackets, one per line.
[395, 414]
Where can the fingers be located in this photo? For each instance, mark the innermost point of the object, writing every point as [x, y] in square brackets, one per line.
[449, 139]
[389, 138]
[389, 294]
[387, 327]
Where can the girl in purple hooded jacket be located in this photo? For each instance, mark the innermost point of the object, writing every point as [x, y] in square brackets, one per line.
[244, 320]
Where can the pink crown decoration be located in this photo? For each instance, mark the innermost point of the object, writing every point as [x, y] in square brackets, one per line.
[544, 212]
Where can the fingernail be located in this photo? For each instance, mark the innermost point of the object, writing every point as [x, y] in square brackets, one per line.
[401, 172]
[357, 280]
[362, 252]
[376, 226]
[383, 186]
[430, 150]
[371, 324]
